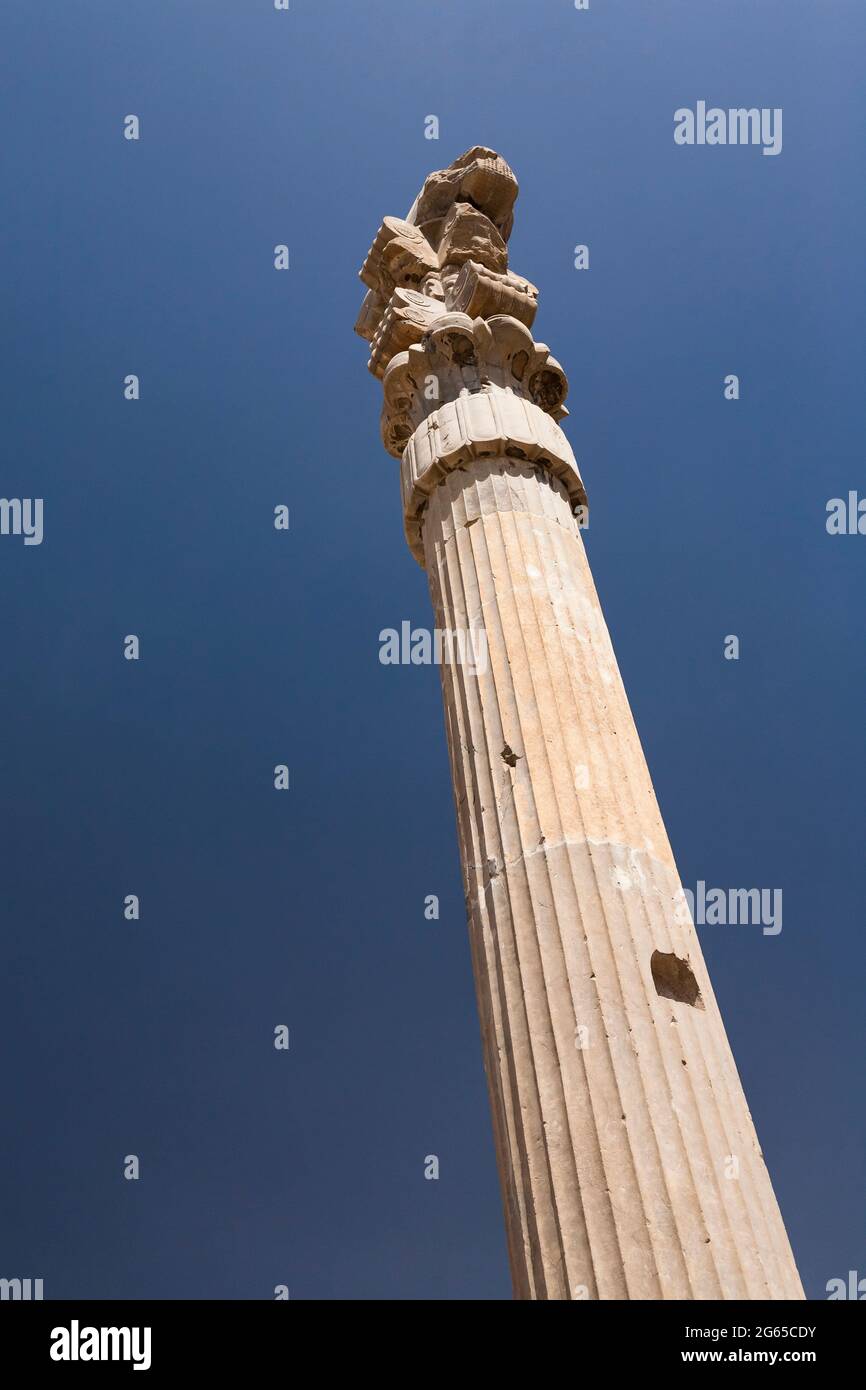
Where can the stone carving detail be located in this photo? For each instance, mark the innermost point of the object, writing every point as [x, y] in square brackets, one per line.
[370, 316]
[468, 235]
[456, 355]
[484, 425]
[480, 177]
[447, 321]
[400, 256]
[405, 321]
[481, 293]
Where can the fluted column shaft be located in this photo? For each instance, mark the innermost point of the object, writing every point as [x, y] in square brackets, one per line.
[628, 1160]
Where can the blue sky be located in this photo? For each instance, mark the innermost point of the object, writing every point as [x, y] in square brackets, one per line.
[260, 647]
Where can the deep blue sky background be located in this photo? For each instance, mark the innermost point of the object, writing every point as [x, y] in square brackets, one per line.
[258, 647]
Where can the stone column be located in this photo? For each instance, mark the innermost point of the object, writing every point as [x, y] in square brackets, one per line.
[628, 1159]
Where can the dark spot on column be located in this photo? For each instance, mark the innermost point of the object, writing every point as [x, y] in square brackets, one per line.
[675, 979]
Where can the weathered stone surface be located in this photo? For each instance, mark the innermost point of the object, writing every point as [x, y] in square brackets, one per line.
[481, 293]
[617, 1109]
[477, 427]
[463, 213]
[493, 364]
[628, 1160]
[400, 256]
[370, 316]
[481, 177]
[468, 235]
[406, 319]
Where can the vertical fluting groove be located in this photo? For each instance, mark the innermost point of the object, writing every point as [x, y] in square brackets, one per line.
[519, 955]
[754, 1252]
[520, 628]
[721, 1213]
[533, 1247]
[583, 1054]
[552, 777]
[518, 1158]
[609, 1155]
[519, 949]
[552, 684]
[640, 1177]
[691, 1079]
[594, 1240]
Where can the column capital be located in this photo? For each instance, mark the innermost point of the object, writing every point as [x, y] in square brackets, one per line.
[449, 330]
[491, 422]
